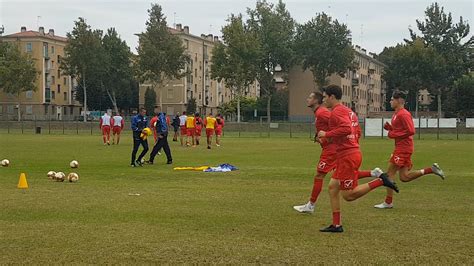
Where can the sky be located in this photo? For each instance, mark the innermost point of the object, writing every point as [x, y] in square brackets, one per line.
[374, 24]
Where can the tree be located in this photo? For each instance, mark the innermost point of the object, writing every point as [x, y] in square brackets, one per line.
[411, 67]
[161, 55]
[17, 72]
[324, 47]
[84, 58]
[275, 29]
[118, 76]
[451, 40]
[150, 101]
[236, 61]
[191, 106]
[463, 92]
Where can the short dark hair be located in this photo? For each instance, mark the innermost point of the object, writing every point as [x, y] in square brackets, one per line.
[318, 96]
[196, 114]
[333, 90]
[397, 94]
[184, 112]
[142, 109]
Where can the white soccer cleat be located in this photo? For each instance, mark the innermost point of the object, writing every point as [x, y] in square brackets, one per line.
[376, 172]
[383, 205]
[306, 208]
[438, 171]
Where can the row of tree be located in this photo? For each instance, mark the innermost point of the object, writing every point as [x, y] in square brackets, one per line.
[270, 40]
[439, 58]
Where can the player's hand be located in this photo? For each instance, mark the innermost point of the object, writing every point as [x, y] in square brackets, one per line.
[321, 134]
[387, 126]
[160, 136]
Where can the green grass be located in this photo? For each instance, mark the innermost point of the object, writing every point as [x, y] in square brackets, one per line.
[239, 217]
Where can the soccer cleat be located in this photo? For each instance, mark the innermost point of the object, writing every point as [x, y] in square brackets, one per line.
[218, 145]
[209, 147]
[169, 162]
[108, 143]
[138, 163]
[149, 162]
[376, 172]
[133, 165]
[306, 208]
[332, 229]
[388, 183]
[438, 171]
[383, 205]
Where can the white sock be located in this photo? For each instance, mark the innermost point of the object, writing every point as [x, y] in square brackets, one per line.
[422, 171]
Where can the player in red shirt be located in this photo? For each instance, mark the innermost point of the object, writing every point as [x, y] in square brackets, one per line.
[198, 127]
[327, 159]
[117, 127]
[402, 130]
[342, 132]
[219, 126]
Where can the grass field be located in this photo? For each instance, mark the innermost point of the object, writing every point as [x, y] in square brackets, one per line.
[240, 217]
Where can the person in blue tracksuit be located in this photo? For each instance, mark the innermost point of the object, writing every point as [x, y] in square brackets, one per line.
[139, 122]
[162, 132]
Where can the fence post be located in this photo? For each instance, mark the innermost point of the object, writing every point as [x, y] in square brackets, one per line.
[437, 133]
[310, 129]
[21, 126]
[291, 135]
[382, 127]
[239, 128]
[457, 128]
[8, 127]
[63, 127]
[35, 123]
[91, 127]
[268, 129]
[77, 127]
[419, 127]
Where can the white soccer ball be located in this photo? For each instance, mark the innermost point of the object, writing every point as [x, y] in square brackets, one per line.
[59, 176]
[52, 175]
[73, 177]
[74, 164]
[5, 162]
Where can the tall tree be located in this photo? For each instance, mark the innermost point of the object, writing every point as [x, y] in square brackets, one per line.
[324, 47]
[411, 67]
[118, 77]
[463, 92]
[84, 57]
[236, 61]
[451, 40]
[275, 29]
[161, 55]
[17, 72]
[150, 101]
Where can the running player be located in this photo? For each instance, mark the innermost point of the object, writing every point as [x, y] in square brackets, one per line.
[118, 124]
[210, 124]
[198, 126]
[139, 123]
[104, 124]
[190, 129]
[182, 126]
[219, 127]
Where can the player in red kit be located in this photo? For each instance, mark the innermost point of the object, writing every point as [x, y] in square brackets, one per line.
[342, 132]
[402, 130]
[327, 159]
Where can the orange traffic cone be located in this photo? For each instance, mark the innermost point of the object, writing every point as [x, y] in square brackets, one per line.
[22, 183]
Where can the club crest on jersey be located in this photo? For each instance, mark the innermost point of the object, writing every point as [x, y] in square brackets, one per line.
[396, 159]
[322, 165]
[348, 183]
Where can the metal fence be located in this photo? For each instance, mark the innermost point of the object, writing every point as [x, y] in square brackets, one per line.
[238, 130]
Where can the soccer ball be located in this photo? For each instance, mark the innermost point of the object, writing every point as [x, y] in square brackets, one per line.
[52, 175]
[59, 176]
[5, 162]
[73, 177]
[74, 164]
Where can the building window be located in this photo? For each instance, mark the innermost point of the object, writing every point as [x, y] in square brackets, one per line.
[71, 110]
[10, 109]
[170, 94]
[53, 95]
[59, 59]
[59, 73]
[29, 94]
[195, 88]
[52, 49]
[65, 81]
[46, 109]
[195, 72]
[29, 47]
[59, 88]
[53, 80]
[29, 109]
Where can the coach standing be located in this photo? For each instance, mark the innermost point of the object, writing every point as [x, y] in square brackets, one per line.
[162, 132]
[139, 122]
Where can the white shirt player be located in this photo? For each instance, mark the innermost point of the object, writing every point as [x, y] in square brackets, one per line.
[105, 119]
[117, 121]
[182, 120]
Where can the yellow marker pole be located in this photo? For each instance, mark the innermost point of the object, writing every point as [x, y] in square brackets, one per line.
[22, 183]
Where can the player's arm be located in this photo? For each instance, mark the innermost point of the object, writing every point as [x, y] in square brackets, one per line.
[407, 129]
[344, 127]
[134, 123]
[100, 122]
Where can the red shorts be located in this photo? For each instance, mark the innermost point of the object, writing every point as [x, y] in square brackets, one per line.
[218, 132]
[209, 132]
[327, 162]
[401, 159]
[117, 130]
[105, 130]
[347, 168]
[184, 130]
[190, 132]
[198, 131]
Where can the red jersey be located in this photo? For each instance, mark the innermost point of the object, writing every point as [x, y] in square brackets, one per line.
[321, 122]
[198, 122]
[219, 123]
[342, 131]
[152, 126]
[402, 131]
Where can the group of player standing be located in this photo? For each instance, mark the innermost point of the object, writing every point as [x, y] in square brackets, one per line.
[114, 123]
[338, 132]
[191, 126]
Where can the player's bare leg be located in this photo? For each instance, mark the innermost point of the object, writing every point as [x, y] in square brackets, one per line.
[209, 142]
[118, 138]
[363, 189]
[113, 138]
[336, 226]
[406, 176]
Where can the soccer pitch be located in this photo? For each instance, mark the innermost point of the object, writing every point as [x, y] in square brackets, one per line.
[239, 217]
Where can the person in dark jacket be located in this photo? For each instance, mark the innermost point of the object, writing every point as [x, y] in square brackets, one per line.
[175, 125]
[162, 132]
[139, 123]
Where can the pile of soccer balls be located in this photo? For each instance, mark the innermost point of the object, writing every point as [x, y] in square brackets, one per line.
[60, 176]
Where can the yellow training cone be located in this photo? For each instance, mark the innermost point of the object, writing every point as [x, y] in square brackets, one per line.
[22, 184]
